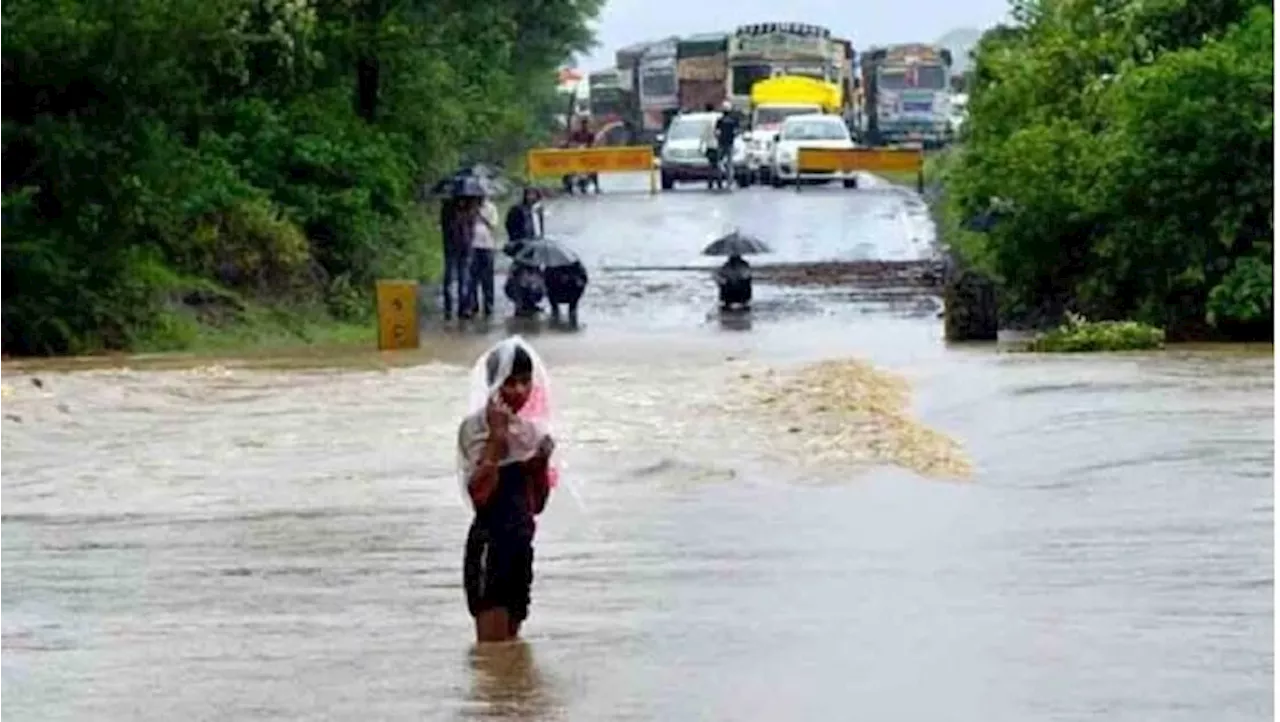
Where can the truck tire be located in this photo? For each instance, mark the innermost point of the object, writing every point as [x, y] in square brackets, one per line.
[744, 179]
[668, 182]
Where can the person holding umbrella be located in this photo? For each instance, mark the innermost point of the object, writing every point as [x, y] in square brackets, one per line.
[734, 277]
[458, 219]
[456, 227]
[565, 276]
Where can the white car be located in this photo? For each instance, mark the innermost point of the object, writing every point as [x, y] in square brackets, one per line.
[809, 131]
[684, 149]
[757, 143]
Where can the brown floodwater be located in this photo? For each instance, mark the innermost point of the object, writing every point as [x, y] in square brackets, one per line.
[280, 537]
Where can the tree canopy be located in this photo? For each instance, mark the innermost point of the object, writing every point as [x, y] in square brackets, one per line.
[1128, 147]
[170, 161]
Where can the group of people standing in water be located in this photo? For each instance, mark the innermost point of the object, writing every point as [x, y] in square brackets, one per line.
[470, 230]
[469, 227]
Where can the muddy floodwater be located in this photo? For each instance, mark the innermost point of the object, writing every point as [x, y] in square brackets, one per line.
[274, 538]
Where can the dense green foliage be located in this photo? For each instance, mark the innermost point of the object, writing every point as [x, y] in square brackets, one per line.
[1126, 149]
[1079, 334]
[173, 163]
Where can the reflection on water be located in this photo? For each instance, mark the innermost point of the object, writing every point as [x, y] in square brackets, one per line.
[507, 684]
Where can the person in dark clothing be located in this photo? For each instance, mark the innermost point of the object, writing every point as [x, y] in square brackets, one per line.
[505, 462]
[524, 219]
[566, 285]
[456, 226]
[726, 130]
[525, 287]
[734, 280]
[582, 137]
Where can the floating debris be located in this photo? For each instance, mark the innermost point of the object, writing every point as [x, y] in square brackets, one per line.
[851, 412]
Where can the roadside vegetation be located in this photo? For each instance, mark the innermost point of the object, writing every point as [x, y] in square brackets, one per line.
[186, 170]
[1117, 163]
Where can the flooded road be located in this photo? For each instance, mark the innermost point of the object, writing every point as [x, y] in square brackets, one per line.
[252, 541]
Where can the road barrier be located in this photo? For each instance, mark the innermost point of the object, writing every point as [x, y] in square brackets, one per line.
[814, 162]
[397, 315]
[558, 162]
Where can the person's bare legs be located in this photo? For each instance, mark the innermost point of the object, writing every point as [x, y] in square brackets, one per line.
[494, 625]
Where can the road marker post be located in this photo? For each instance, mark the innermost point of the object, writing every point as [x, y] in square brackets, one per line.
[549, 162]
[846, 160]
[397, 303]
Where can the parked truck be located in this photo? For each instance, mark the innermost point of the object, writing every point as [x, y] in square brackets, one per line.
[766, 50]
[613, 107]
[659, 86]
[702, 69]
[906, 95]
[627, 62]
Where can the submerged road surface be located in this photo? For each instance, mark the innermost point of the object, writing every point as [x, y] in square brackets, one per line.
[281, 538]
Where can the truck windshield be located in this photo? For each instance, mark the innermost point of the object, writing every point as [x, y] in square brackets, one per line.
[658, 83]
[925, 77]
[745, 76]
[775, 114]
[607, 102]
[814, 130]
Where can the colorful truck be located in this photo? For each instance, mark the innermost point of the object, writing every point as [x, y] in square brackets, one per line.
[659, 86]
[702, 69]
[613, 106]
[906, 95]
[766, 50]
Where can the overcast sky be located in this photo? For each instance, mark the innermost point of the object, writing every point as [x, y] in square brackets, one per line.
[623, 22]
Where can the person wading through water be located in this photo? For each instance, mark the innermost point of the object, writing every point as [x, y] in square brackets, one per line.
[504, 463]
[456, 227]
[483, 245]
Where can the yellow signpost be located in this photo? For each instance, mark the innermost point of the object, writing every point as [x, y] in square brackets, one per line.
[871, 160]
[397, 315]
[543, 162]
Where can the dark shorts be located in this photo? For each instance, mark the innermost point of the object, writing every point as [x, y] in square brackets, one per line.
[497, 571]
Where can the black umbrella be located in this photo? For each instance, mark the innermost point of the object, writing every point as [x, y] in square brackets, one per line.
[544, 253]
[472, 181]
[736, 244]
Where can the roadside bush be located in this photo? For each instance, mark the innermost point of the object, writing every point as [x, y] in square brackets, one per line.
[1079, 334]
[1130, 146]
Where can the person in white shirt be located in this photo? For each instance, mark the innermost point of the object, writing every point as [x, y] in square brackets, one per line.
[483, 243]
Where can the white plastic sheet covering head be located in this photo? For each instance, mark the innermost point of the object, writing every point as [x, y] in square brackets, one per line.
[527, 399]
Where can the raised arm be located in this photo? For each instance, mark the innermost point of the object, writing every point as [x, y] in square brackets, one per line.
[483, 453]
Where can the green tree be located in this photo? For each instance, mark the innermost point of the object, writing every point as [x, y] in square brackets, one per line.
[172, 163]
[1130, 146]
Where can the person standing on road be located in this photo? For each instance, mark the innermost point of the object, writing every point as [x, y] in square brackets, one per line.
[711, 148]
[483, 244]
[582, 137]
[524, 219]
[456, 227]
[504, 449]
[726, 132]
